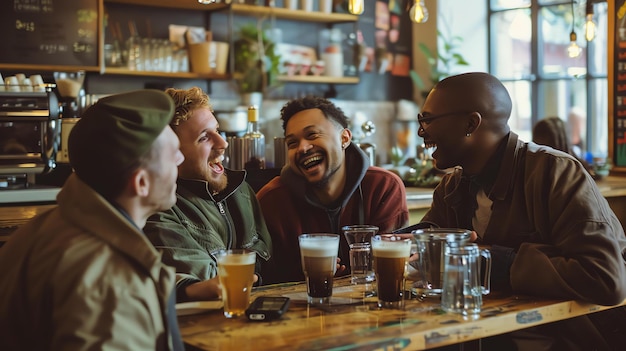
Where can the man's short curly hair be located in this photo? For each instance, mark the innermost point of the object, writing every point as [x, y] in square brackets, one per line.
[330, 110]
[187, 101]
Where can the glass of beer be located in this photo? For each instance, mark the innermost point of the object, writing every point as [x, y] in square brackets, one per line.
[235, 269]
[391, 256]
[319, 263]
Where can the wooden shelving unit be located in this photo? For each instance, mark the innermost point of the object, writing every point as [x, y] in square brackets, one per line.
[182, 75]
[319, 79]
[242, 10]
[247, 10]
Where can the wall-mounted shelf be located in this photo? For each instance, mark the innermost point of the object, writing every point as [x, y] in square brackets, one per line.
[318, 79]
[181, 75]
[248, 10]
[173, 4]
[296, 15]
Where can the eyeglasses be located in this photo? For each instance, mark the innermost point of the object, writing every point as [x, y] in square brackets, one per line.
[425, 120]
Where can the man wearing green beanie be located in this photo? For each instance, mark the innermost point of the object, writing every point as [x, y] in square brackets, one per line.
[83, 275]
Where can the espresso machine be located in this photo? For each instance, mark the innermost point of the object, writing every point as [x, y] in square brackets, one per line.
[30, 132]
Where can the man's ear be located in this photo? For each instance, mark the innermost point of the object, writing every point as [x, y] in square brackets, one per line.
[140, 182]
[346, 136]
[474, 121]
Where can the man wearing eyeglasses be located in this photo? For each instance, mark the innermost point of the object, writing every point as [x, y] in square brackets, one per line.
[550, 231]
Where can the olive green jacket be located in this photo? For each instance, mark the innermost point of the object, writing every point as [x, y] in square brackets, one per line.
[201, 224]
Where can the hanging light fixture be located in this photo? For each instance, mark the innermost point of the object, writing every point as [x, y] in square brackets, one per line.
[418, 12]
[356, 7]
[590, 25]
[573, 50]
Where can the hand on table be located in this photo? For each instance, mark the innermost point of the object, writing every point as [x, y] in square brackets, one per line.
[209, 289]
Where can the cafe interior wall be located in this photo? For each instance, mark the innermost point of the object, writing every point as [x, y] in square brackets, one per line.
[377, 96]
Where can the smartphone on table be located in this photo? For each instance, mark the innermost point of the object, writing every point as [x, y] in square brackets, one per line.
[267, 308]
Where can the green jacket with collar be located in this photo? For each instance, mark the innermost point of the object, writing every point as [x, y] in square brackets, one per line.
[201, 224]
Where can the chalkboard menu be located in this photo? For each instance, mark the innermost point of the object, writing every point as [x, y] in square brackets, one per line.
[49, 32]
[619, 80]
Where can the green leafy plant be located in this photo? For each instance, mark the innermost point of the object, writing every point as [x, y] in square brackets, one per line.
[443, 63]
[256, 60]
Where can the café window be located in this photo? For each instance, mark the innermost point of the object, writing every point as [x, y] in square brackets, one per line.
[528, 51]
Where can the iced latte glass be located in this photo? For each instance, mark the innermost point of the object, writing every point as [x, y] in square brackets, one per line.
[319, 263]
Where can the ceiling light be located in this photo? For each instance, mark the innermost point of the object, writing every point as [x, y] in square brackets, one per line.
[590, 25]
[356, 7]
[418, 12]
[573, 50]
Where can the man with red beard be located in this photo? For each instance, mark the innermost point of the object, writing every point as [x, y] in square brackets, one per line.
[216, 209]
[550, 231]
[327, 184]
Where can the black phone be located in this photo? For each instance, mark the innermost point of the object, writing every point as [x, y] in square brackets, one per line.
[267, 308]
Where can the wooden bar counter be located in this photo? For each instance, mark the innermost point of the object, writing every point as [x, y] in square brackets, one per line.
[354, 322]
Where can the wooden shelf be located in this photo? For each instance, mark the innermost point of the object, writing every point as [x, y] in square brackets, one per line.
[173, 4]
[319, 79]
[180, 75]
[248, 10]
[297, 15]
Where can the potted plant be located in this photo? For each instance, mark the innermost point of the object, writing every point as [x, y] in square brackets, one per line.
[442, 63]
[256, 61]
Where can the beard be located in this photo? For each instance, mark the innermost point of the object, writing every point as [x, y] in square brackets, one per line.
[218, 185]
[326, 179]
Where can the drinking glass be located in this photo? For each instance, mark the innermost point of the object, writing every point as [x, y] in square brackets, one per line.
[431, 245]
[319, 263]
[462, 287]
[391, 256]
[359, 240]
[235, 269]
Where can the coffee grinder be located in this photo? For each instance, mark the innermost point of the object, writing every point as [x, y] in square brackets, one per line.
[72, 102]
[71, 93]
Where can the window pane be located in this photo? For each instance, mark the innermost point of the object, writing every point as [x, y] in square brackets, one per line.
[566, 99]
[599, 124]
[511, 44]
[598, 47]
[520, 121]
[556, 25]
[508, 4]
[550, 2]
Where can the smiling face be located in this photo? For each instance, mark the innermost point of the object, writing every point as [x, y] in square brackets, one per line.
[448, 133]
[203, 148]
[316, 146]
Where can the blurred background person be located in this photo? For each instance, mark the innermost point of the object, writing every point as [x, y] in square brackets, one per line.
[552, 132]
[577, 120]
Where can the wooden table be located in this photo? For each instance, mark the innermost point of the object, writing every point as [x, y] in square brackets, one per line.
[354, 322]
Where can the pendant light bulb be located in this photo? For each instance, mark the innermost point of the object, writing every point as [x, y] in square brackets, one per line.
[590, 25]
[356, 7]
[573, 50]
[418, 12]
